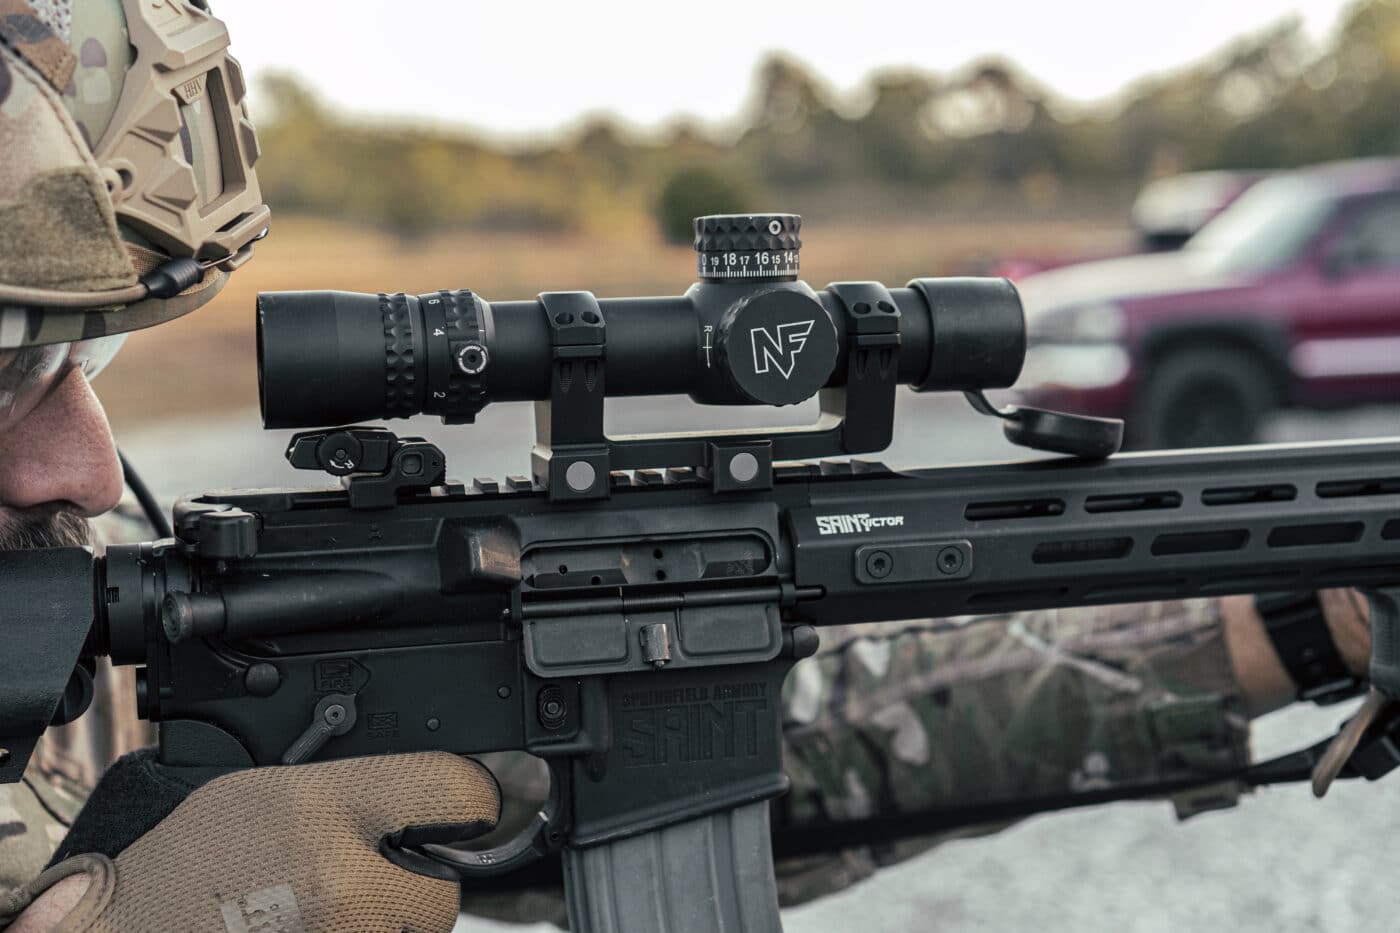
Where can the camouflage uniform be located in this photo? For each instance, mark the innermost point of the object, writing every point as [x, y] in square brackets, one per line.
[1006, 708]
[57, 229]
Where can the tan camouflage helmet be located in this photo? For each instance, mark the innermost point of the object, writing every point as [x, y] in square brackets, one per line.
[127, 191]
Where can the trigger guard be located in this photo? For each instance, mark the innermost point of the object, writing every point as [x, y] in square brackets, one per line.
[530, 845]
[539, 839]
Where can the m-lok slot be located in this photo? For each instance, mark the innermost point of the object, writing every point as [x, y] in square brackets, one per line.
[1248, 495]
[1132, 502]
[1351, 488]
[1066, 552]
[1013, 508]
[1199, 542]
[1315, 535]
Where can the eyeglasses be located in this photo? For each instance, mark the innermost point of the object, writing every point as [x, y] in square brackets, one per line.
[29, 374]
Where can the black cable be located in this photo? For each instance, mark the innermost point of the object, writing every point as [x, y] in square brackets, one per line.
[149, 506]
[62, 820]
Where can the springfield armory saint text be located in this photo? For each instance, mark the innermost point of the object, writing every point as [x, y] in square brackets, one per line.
[630, 612]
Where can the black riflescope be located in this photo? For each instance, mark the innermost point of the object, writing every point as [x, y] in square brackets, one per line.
[749, 332]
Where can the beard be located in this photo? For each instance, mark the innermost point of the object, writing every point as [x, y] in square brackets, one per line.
[41, 528]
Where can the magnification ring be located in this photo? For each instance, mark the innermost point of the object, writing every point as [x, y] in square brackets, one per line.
[401, 391]
[465, 322]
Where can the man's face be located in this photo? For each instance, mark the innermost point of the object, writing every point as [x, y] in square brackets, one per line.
[58, 467]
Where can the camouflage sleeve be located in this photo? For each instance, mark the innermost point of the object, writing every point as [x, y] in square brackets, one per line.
[34, 816]
[949, 713]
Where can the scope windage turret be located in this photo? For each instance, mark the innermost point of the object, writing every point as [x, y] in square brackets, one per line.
[748, 333]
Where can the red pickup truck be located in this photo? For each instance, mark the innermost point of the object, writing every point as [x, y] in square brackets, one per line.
[1289, 298]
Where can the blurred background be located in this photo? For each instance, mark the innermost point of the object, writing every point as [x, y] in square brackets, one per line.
[1077, 148]
[517, 150]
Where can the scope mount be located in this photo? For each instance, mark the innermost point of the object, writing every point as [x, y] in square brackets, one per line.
[772, 342]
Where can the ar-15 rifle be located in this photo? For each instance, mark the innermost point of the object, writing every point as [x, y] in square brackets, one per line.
[629, 613]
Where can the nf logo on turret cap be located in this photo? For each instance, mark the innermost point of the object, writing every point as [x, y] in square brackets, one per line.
[778, 346]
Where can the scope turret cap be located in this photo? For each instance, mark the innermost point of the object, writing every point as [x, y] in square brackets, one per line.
[749, 247]
[127, 191]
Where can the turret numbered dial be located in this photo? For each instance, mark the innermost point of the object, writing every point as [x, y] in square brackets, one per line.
[748, 247]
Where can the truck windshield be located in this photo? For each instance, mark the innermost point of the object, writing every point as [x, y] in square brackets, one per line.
[1265, 229]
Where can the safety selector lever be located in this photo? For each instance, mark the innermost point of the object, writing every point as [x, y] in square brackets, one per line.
[334, 715]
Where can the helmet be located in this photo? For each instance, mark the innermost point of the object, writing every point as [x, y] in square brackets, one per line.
[127, 191]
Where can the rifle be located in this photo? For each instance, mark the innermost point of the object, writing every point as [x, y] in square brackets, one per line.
[629, 612]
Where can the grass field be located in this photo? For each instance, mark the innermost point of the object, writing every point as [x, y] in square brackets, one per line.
[204, 363]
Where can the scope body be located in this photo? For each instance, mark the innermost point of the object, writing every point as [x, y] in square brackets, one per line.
[328, 357]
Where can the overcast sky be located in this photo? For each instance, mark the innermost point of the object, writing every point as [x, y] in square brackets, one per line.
[522, 68]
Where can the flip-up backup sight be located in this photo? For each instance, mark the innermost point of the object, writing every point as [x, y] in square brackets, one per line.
[749, 332]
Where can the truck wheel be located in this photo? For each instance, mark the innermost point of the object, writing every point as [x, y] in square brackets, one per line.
[1203, 398]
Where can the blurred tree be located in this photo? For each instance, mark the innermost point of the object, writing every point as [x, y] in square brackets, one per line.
[985, 135]
[693, 192]
[897, 133]
[795, 137]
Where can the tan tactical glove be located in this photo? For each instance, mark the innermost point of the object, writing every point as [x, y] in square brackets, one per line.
[306, 849]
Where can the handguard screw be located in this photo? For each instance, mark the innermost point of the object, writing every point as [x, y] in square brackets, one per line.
[950, 560]
[879, 564]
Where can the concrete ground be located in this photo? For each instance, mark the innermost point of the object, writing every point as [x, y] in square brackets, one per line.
[1281, 861]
